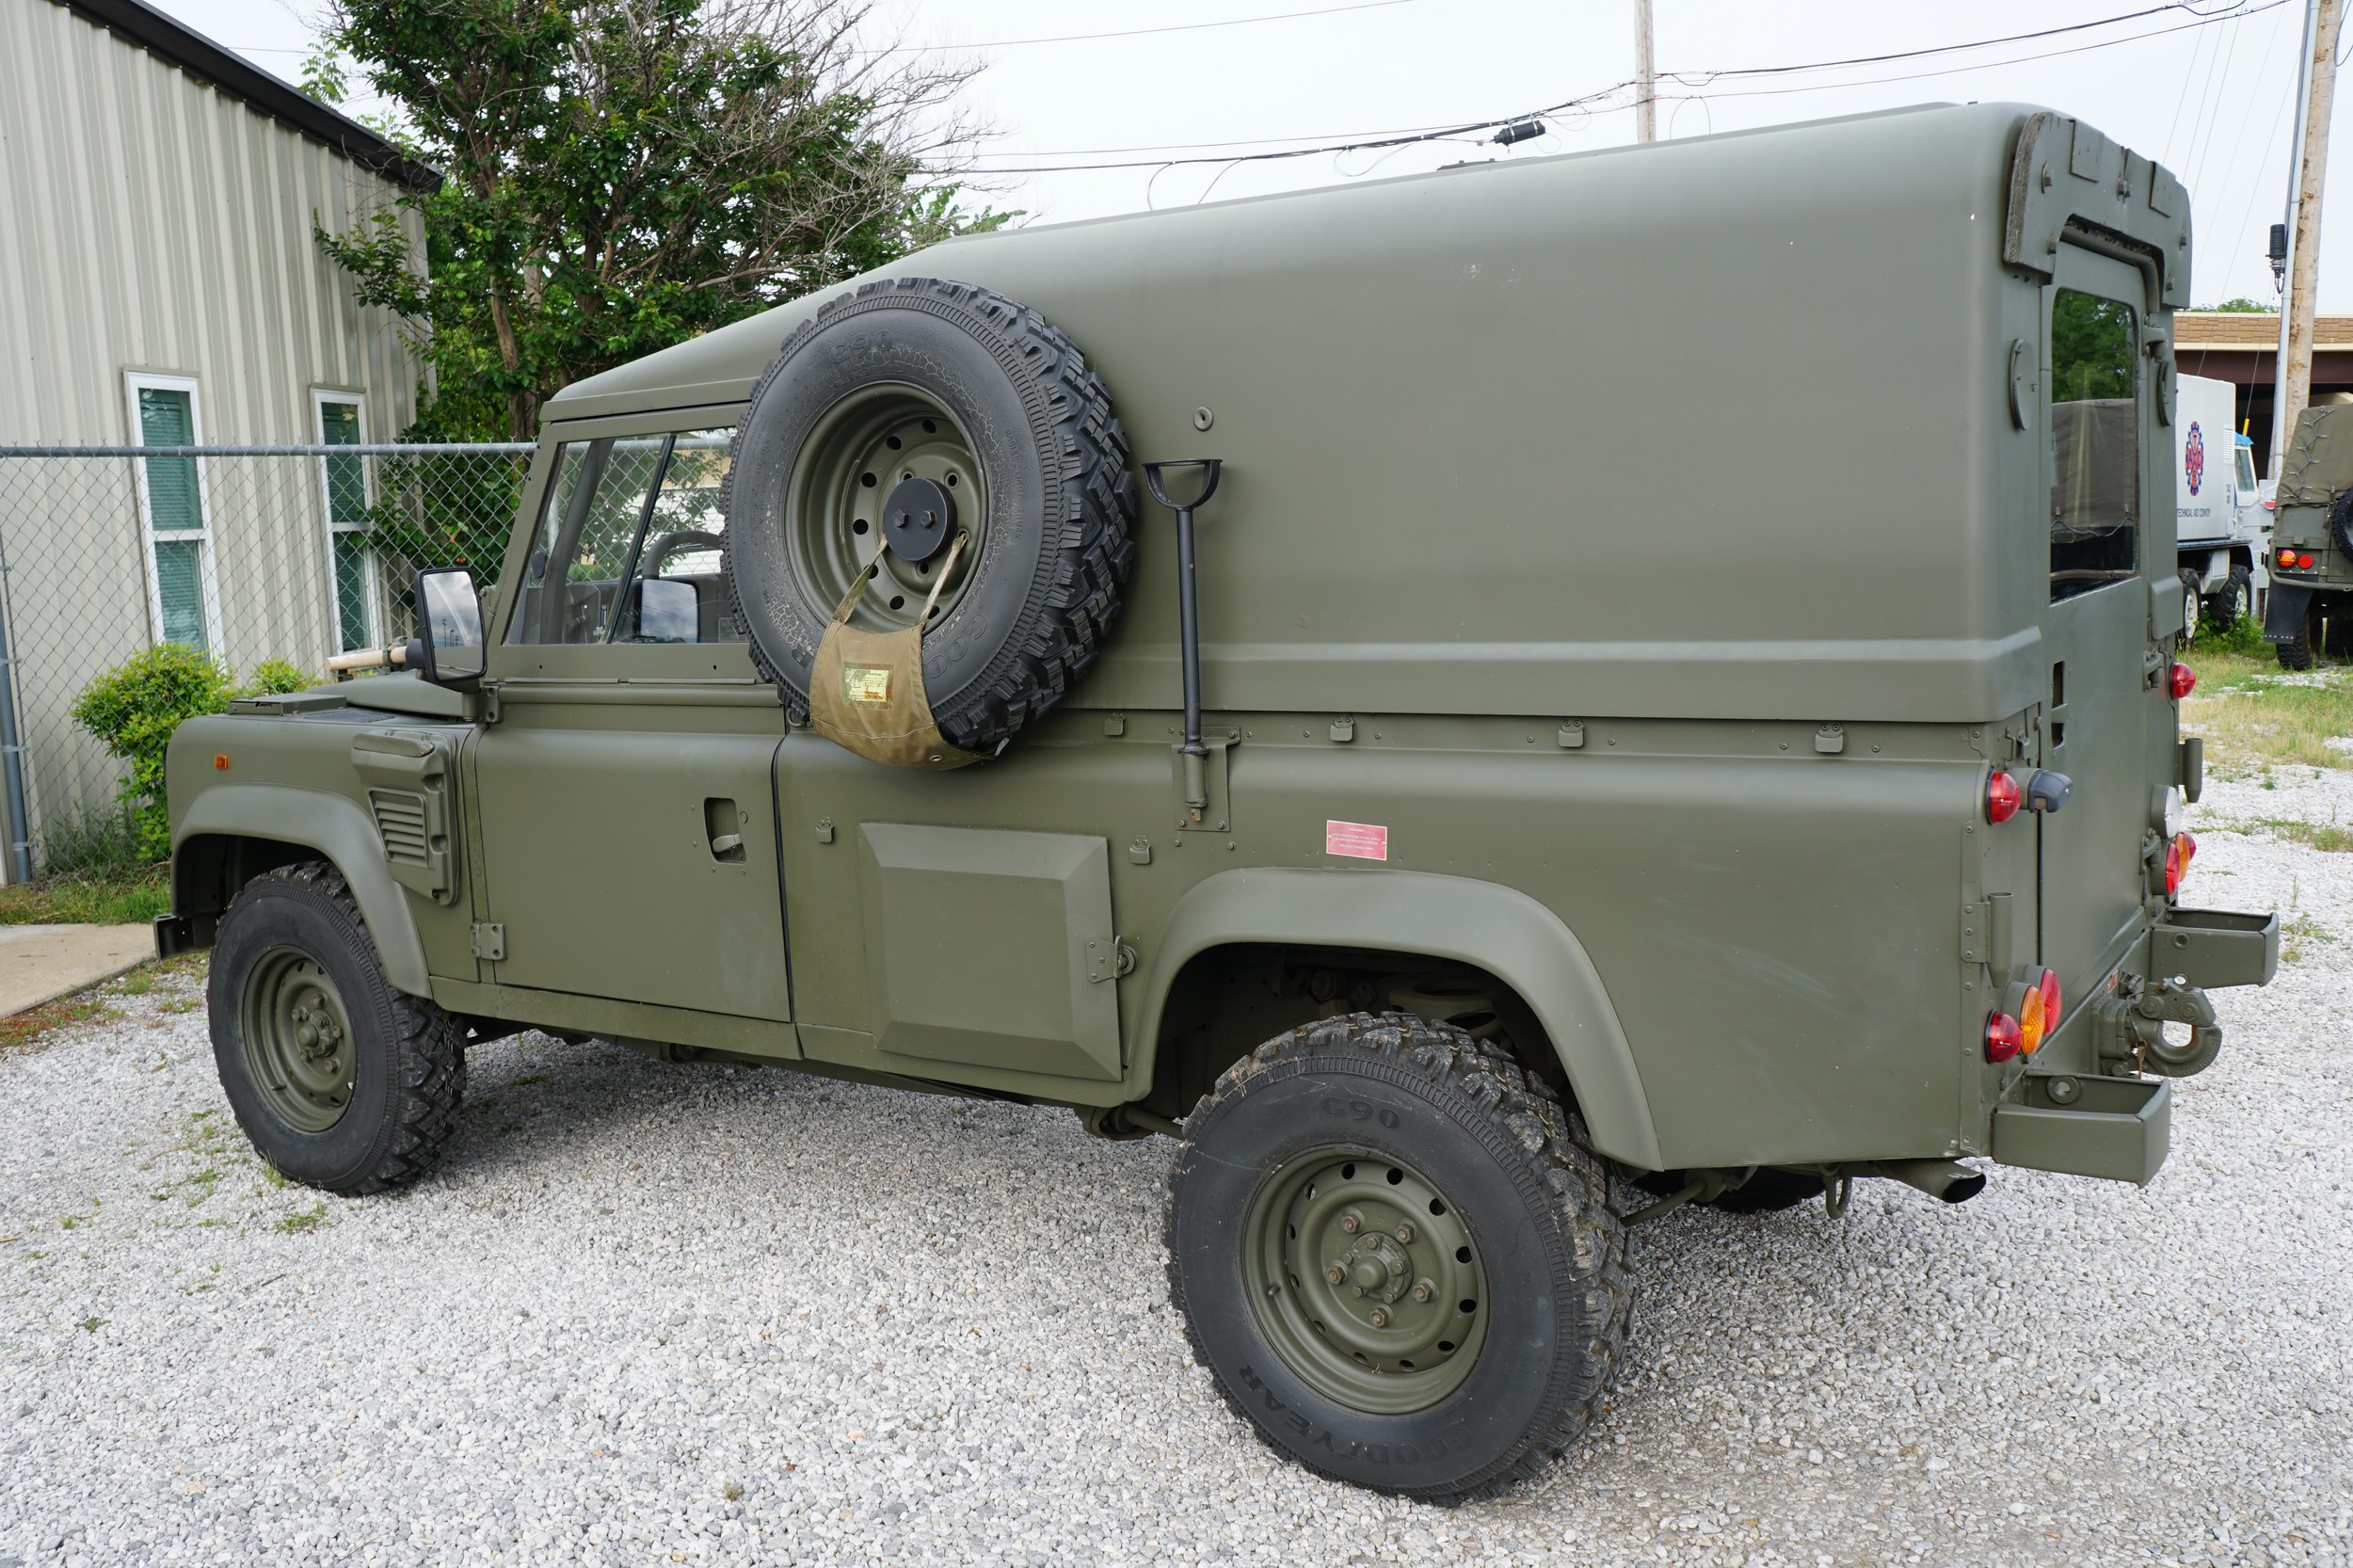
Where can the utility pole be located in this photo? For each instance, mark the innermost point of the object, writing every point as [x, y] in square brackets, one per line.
[2315, 93]
[1646, 76]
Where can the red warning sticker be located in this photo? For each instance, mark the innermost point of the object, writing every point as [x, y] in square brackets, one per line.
[1363, 840]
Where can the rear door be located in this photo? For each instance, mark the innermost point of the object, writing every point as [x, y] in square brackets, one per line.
[2109, 724]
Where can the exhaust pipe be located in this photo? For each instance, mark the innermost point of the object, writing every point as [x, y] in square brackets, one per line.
[1945, 1180]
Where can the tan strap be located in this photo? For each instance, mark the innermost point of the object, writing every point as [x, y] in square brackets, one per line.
[955, 548]
[857, 583]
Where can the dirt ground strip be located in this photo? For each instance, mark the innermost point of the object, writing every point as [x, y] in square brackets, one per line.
[649, 1312]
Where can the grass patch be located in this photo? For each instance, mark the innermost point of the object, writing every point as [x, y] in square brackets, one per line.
[2254, 714]
[302, 1221]
[26, 1029]
[78, 898]
[2333, 837]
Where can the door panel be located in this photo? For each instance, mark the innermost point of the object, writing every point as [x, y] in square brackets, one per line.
[2105, 726]
[609, 861]
[977, 947]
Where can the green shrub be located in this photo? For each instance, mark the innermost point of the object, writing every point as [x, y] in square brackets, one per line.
[134, 708]
[2245, 635]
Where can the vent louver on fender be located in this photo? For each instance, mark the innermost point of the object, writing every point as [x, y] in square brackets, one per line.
[406, 776]
[400, 822]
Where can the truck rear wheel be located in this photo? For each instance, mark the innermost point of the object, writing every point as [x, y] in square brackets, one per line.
[1395, 1251]
[342, 1081]
[2297, 653]
[2190, 606]
[2235, 598]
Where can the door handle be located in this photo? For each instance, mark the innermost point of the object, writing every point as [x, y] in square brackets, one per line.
[722, 829]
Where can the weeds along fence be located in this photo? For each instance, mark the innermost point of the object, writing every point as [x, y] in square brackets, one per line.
[247, 552]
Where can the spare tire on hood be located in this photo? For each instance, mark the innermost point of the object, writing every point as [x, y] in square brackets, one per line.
[890, 402]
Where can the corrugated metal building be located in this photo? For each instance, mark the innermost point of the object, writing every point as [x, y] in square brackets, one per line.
[160, 285]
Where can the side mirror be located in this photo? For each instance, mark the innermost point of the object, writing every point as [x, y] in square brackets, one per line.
[663, 610]
[447, 650]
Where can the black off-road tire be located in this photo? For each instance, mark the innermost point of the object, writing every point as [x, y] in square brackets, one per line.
[1056, 552]
[2191, 606]
[2341, 521]
[2233, 600]
[2298, 652]
[409, 1056]
[1525, 1182]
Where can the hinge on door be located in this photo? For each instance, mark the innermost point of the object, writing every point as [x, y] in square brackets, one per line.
[489, 941]
[1977, 921]
[1986, 929]
[490, 689]
[1110, 959]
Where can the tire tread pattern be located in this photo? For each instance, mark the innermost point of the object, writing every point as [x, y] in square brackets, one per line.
[430, 1047]
[1063, 627]
[1559, 1162]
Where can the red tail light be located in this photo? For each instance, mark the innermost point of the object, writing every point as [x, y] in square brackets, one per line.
[2183, 681]
[2050, 1001]
[2001, 798]
[2287, 557]
[2001, 1037]
[2304, 560]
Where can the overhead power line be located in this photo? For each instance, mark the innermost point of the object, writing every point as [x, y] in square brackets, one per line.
[2237, 11]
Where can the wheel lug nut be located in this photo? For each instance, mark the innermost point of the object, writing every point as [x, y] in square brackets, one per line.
[1336, 1275]
[1421, 1290]
[1405, 1232]
[1379, 1316]
[1351, 1222]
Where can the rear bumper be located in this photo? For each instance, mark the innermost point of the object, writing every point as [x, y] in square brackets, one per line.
[2082, 1124]
[2209, 948]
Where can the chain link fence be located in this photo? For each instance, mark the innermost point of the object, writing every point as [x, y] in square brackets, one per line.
[248, 553]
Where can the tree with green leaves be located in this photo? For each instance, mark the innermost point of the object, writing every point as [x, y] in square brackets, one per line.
[622, 175]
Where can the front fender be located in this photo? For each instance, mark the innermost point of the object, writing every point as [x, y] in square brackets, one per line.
[340, 832]
[1484, 925]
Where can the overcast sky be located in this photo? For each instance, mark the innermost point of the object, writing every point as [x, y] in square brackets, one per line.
[2212, 99]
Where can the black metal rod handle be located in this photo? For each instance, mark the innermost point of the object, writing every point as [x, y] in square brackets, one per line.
[1188, 603]
[1188, 625]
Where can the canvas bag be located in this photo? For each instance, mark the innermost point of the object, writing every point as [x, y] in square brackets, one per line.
[866, 688]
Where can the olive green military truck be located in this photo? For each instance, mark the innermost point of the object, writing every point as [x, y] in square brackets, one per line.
[2311, 543]
[1458, 875]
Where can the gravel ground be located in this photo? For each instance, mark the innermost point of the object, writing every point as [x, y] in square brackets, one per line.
[647, 1314]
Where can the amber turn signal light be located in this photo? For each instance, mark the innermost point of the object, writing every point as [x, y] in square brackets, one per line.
[2178, 851]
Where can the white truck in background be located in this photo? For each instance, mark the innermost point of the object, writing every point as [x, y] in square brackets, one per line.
[2222, 527]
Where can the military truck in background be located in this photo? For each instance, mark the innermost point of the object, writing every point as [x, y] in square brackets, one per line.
[2311, 541]
[1457, 876]
[2222, 527]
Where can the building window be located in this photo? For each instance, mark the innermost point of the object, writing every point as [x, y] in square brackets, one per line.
[345, 487]
[182, 601]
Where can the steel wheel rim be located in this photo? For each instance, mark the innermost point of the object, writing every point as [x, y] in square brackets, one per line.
[1368, 1340]
[833, 515]
[296, 1039]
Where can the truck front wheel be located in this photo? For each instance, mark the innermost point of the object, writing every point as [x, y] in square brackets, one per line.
[342, 1081]
[1394, 1250]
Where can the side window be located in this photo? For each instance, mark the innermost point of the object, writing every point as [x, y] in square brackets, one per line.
[678, 594]
[2095, 444]
[2246, 471]
[628, 549]
[579, 550]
